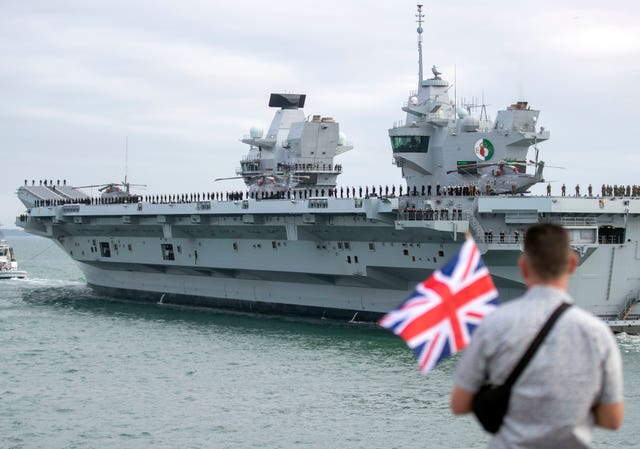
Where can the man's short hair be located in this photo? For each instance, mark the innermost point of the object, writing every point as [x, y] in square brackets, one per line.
[547, 250]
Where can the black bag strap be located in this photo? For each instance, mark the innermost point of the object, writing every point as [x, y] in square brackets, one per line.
[533, 347]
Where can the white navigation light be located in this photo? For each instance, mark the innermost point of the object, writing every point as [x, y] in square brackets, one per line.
[256, 132]
[342, 138]
[414, 100]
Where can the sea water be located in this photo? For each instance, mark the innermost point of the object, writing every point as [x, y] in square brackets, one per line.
[82, 371]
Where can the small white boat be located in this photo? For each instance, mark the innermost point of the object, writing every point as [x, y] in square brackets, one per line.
[8, 263]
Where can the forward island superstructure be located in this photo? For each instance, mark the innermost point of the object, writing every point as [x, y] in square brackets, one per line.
[295, 241]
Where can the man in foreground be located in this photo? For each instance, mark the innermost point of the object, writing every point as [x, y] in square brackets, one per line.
[574, 380]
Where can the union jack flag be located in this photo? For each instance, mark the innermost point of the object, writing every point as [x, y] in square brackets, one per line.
[437, 320]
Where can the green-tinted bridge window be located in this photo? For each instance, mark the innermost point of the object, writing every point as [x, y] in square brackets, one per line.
[410, 144]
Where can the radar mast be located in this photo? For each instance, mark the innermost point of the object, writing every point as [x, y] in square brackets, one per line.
[419, 17]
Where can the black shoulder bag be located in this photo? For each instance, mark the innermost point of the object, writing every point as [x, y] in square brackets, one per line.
[491, 402]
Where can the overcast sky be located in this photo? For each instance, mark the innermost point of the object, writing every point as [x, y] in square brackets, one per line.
[183, 81]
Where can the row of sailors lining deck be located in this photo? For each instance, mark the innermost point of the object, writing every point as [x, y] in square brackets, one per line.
[89, 201]
[364, 192]
[282, 167]
[620, 190]
[52, 196]
[44, 182]
[342, 192]
[606, 190]
[348, 192]
[49, 194]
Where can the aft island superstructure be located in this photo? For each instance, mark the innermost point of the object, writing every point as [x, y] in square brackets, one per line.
[295, 241]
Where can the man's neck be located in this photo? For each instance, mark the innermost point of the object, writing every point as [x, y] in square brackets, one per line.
[561, 283]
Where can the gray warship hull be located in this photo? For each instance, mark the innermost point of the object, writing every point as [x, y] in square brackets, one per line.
[335, 257]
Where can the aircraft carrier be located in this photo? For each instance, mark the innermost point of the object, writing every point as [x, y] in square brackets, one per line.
[296, 241]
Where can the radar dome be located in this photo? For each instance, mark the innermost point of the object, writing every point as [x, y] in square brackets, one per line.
[256, 132]
[462, 113]
[342, 138]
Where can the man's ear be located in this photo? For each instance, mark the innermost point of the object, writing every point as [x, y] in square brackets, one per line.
[573, 262]
[524, 268]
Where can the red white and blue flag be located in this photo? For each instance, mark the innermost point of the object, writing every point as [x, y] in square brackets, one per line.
[437, 320]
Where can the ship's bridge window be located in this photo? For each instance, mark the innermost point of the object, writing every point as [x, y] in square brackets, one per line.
[410, 144]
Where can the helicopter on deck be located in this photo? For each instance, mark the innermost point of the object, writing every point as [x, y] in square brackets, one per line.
[269, 182]
[114, 189]
[505, 176]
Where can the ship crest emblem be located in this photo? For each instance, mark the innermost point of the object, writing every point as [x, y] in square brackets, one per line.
[483, 149]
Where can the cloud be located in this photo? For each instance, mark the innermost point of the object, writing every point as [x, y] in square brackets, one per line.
[598, 41]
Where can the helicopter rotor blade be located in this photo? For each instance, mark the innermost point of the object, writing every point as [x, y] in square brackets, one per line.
[545, 165]
[474, 166]
[225, 179]
[89, 187]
